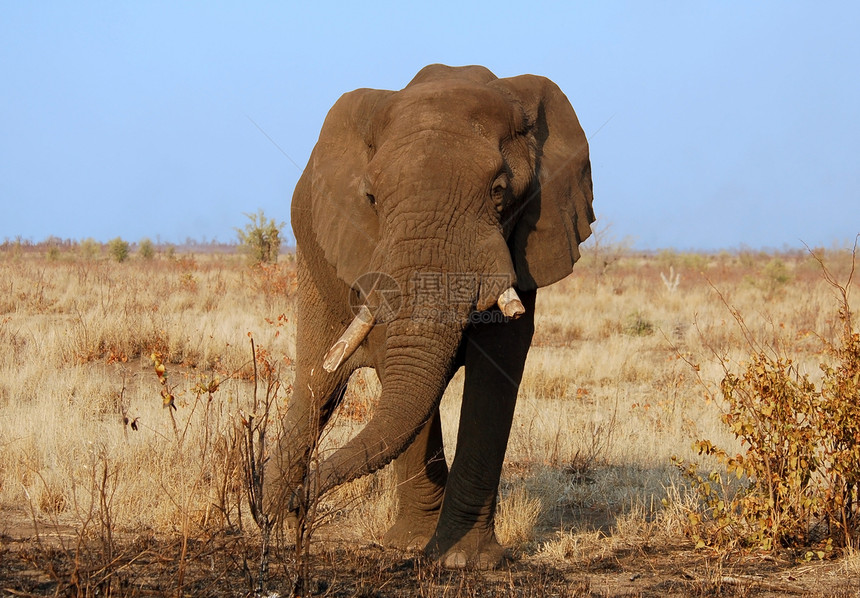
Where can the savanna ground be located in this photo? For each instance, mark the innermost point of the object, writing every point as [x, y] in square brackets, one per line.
[104, 490]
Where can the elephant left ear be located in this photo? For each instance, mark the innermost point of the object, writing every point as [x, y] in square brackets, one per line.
[556, 213]
[330, 207]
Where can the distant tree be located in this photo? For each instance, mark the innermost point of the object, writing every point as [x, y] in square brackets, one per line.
[146, 249]
[118, 249]
[261, 239]
[52, 245]
[18, 246]
[89, 248]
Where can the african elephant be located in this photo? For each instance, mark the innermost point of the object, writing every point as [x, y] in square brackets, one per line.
[425, 220]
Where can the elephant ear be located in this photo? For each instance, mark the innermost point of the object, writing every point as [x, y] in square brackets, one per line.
[330, 203]
[556, 213]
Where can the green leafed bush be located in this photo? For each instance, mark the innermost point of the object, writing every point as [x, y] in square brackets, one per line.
[261, 238]
[146, 249]
[89, 248]
[118, 249]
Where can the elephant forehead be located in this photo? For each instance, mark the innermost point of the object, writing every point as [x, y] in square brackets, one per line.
[433, 161]
[458, 106]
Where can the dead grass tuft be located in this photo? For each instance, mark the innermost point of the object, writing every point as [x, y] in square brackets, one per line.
[517, 516]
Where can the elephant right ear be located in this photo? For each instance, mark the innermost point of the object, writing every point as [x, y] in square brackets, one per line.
[557, 214]
[330, 206]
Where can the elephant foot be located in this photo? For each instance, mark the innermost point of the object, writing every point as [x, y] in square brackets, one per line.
[473, 551]
[411, 533]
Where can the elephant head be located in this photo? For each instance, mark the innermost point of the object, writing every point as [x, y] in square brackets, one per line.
[457, 189]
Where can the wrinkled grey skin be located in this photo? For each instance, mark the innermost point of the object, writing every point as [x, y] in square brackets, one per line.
[458, 176]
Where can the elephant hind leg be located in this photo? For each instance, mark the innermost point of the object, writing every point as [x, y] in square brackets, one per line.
[421, 473]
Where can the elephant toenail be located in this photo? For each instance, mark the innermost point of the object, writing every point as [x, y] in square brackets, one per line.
[456, 560]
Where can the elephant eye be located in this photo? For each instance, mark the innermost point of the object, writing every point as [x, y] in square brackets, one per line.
[499, 192]
[364, 187]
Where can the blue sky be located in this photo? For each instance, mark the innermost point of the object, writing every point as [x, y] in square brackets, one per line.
[712, 125]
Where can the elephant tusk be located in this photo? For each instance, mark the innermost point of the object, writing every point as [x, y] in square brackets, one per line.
[349, 341]
[510, 304]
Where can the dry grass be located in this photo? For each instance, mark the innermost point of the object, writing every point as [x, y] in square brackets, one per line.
[75, 340]
[608, 397]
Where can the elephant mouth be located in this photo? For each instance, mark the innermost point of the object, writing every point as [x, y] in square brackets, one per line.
[509, 304]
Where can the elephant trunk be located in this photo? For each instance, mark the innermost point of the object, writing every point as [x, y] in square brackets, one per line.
[419, 358]
[509, 304]
[421, 341]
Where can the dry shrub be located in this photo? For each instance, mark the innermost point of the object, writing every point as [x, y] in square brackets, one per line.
[49, 495]
[796, 482]
[638, 324]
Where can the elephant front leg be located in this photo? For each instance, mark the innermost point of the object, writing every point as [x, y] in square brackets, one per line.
[421, 473]
[314, 397]
[495, 357]
[316, 393]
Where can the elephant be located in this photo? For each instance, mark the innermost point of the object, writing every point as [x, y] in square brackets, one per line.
[425, 221]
